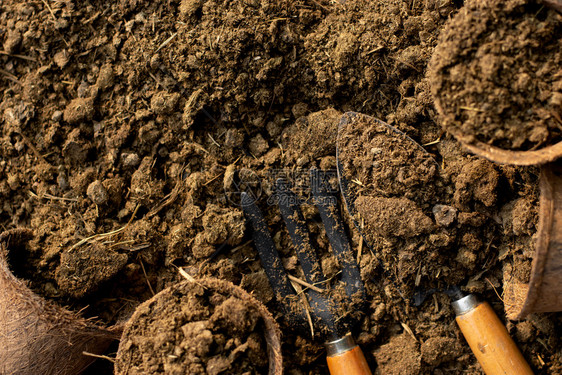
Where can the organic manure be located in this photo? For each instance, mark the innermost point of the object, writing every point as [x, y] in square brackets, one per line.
[122, 125]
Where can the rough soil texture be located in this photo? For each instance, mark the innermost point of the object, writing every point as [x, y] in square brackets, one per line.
[502, 85]
[412, 216]
[123, 125]
[195, 330]
[394, 186]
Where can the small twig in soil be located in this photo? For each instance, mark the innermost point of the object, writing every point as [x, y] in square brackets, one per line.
[235, 249]
[166, 42]
[10, 76]
[495, 290]
[405, 63]
[185, 275]
[279, 19]
[408, 329]
[436, 304]
[30, 144]
[213, 140]
[156, 79]
[281, 148]
[170, 198]
[213, 179]
[197, 145]
[432, 142]
[471, 109]
[49, 196]
[540, 359]
[543, 343]
[139, 247]
[304, 300]
[118, 243]
[305, 284]
[108, 234]
[110, 359]
[146, 277]
[355, 181]
[23, 57]
[188, 277]
[376, 49]
[328, 280]
[360, 250]
[50, 10]
[93, 18]
[418, 276]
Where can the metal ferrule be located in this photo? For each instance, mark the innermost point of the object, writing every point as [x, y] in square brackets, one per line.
[465, 304]
[340, 346]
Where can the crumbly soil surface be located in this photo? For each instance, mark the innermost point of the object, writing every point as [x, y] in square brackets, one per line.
[128, 128]
[496, 77]
[192, 329]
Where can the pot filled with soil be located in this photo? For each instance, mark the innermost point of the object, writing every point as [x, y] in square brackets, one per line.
[203, 326]
[496, 78]
[36, 335]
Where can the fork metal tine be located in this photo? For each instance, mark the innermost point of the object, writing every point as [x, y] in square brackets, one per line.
[326, 202]
[296, 226]
[268, 254]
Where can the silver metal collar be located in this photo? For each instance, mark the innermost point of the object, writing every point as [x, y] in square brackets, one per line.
[340, 346]
[465, 304]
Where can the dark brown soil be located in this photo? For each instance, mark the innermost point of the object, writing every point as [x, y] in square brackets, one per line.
[192, 329]
[123, 124]
[379, 159]
[421, 226]
[496, 77]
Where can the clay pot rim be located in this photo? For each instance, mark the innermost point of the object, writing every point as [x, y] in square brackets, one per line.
[522, 158]
[500, 155]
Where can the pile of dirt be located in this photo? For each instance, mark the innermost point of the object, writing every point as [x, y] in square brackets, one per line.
[419, 224]
[382, 160]
[495, 74]
[190, 328]
[124, 123]
[393, 184]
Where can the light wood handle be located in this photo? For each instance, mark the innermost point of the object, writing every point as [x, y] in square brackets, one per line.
[490, 342]
[351, 362]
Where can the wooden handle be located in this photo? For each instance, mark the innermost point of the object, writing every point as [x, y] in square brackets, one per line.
[489, 340]
[351, 362]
